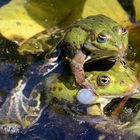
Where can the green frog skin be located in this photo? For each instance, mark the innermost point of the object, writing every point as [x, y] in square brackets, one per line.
[91, 38]
[115, 82]
[20, 112]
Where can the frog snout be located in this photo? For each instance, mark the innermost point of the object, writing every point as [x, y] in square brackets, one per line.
[121, 48]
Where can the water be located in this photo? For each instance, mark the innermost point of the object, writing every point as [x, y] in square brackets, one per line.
[3, 2]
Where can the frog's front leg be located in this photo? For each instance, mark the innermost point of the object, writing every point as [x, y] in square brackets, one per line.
[77, 68]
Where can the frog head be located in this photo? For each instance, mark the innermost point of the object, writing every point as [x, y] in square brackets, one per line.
[115, 82]
[96, 33]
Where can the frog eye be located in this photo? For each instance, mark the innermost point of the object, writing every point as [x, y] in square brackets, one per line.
[124, 31]
[103, 80]
[101, 38]
[121, 30]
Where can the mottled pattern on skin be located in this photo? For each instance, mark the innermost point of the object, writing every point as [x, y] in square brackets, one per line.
[42, 42]
[115, 82]
[91, 38]
[19, 112]
[87, 36]
[90, 28]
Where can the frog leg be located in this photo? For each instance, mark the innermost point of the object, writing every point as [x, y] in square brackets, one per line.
[117, 110]
[77, 68]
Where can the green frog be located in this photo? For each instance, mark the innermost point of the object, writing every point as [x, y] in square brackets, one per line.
[89, 39]
[41, 42]
[20, 111]
[115, 82]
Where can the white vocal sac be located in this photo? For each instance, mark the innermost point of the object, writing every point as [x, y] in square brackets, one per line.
[85, 96]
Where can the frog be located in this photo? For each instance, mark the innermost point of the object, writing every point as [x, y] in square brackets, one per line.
[41, 42]
[88, 39]
[20, 111]
[116, 82]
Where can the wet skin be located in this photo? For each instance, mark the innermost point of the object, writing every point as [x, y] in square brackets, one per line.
[89, 39]
[21, 112]
[115, 82]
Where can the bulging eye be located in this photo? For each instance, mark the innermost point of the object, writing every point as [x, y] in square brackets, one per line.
[101, 38]
[121, 30]
[103, 80]
[124, 31]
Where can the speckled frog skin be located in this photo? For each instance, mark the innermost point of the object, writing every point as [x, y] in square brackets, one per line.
[18, 111]
[21, 112]
[98, 35]
[115, 82]
[91, 38]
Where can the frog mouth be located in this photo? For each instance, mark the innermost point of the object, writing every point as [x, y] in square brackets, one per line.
[131, 93]
[100, 55]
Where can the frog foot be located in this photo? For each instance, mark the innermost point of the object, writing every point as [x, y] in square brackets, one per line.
[10, 128]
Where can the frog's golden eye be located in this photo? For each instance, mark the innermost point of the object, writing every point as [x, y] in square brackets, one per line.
[103, 80]
[121, 30]
[101, 38]
[124, 31]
